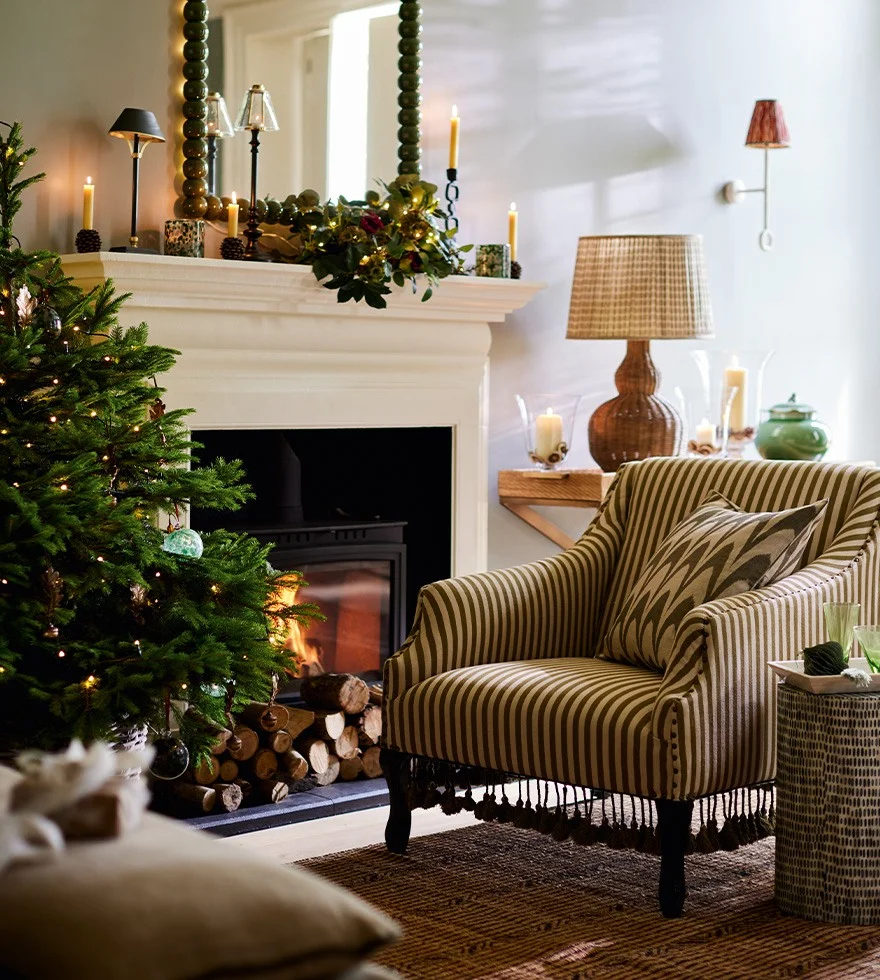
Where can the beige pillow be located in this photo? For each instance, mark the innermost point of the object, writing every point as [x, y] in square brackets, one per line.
[716, 552]
[170, 903]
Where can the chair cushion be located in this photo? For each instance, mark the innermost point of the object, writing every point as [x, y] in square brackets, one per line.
[166, 902]
[717, 552]
[574, 720]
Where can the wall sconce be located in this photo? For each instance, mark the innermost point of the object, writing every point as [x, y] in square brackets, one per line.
[256, 114]
[218, 126]
[139, 127]
[767, 131]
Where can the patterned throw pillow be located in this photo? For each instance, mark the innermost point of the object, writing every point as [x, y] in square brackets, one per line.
[716, 552]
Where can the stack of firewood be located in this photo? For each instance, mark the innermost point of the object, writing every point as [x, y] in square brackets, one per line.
[273, 747]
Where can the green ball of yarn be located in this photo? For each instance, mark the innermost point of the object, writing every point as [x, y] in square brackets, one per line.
[826, 658]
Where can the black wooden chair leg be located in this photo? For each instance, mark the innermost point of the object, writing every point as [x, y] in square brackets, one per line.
[673, 826]
[395, 766]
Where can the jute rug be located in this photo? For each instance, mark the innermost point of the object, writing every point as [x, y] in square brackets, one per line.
[497, 903]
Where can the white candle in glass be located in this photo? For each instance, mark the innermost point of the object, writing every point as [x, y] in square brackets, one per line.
[736, 377]
[706, 433]
[548, 433]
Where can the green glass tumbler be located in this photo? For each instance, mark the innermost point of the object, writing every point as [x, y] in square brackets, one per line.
[868, 638]
[840, 618]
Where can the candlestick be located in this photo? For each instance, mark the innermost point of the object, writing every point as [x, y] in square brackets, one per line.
[232, 217]
[512, 222]
[736, 377]
[706, 434]
[454, 123]
[451, 220]
[548, 433]
[88, 205]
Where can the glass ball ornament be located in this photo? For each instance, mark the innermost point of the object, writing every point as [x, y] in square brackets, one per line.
[46, 318]
[172, 758]
[184, 541]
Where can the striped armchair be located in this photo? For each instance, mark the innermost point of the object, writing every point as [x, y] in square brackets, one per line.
[499, 671]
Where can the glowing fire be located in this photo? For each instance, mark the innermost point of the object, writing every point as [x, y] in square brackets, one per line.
[306, 652]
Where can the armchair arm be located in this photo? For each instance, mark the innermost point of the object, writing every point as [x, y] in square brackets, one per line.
[717, 702]
[549, 608]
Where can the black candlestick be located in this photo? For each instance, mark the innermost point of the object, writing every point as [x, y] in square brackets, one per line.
[252, 232]
[451, 197]
[212, 157]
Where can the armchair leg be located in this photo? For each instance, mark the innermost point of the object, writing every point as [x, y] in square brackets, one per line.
[395, 767]
[674, 826]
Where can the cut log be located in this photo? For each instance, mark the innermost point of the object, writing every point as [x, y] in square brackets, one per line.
[228, 770]
[300, 720]
[220, 733]
[207, 771]
[330, 774]
[245, 785]
[269, 717]
[248, 743]
[272, 790]
[265, 764]
[201, 798]
[315, 752]
[370, 759]
[369, 725]
[350, 768]
[279, 741]
[294, 764]
[229, 796]
[328, 724]
[336, 692]
[346, 746]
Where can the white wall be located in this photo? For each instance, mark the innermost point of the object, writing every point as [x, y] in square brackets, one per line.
[626, 116]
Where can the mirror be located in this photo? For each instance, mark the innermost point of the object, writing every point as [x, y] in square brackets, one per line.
[344, 78]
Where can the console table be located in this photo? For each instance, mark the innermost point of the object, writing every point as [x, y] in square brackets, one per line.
[522, 490]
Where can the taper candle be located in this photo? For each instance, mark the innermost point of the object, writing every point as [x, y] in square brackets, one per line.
[454, 122]
[232, 217]
[88, 204]
[512, 229]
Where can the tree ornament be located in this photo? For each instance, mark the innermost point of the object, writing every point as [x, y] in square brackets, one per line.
[46, 318]
[25, 305]
[87, 240]
[172, 758]
[140, 599]
[157, 410]
[184, 541]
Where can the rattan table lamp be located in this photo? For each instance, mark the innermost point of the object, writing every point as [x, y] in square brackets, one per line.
[638, 288]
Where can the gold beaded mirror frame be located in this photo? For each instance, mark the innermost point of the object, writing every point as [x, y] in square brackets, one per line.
[194, 201]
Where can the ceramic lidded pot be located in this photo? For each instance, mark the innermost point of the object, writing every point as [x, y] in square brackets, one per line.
[790, 431]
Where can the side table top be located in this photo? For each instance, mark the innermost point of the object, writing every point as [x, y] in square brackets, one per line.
[558, 488]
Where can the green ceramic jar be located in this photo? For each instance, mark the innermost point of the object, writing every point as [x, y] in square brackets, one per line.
[790, 431]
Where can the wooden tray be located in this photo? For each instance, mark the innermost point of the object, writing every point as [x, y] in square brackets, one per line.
[792, 672]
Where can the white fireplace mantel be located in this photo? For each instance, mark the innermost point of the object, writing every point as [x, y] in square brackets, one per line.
[265, 346]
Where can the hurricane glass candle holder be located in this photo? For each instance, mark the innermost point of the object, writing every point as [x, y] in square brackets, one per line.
[548, 423]
[705, 415]
[840, 620]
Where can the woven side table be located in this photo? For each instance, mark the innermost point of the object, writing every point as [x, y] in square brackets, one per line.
[828, 806]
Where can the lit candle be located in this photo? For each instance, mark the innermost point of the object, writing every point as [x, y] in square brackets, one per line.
[548, 433]
[454, 122]
[736, 377]
[88, 204]
[232, 217]
[512, 222]
[706, 433]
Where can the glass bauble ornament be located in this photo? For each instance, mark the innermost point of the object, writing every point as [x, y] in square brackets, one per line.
[46, 318]
[171, 759]
[184, 541]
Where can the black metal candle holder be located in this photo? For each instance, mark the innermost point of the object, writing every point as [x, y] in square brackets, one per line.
[451, 198]
[252, 230]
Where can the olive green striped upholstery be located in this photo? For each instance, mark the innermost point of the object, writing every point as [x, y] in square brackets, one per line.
[499, 671]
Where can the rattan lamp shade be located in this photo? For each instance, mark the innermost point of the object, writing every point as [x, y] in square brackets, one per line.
[639, 287]
[767, 129]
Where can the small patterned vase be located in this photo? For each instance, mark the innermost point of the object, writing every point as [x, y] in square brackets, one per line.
[493, 261]
[185, 236]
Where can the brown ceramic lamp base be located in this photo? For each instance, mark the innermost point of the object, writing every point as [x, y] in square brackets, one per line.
[637, 423]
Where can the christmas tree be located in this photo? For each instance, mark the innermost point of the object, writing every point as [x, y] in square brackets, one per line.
[108, 621]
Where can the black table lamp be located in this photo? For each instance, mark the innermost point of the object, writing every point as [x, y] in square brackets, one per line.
[139, 127]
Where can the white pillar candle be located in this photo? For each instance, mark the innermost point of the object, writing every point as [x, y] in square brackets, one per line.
[706, 433]
[232, 217]
[88, 204]
[548, 433]
[736, 377]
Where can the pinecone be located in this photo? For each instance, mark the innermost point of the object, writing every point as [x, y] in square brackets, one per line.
[88, 240]
[515, 270]
[232, 248]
